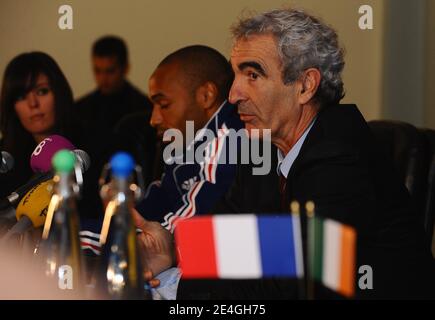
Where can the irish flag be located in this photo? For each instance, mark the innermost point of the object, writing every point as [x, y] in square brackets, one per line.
[240, 246]
[332, 254]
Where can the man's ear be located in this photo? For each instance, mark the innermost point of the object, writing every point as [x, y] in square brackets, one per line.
[309, 83]
[206, 95]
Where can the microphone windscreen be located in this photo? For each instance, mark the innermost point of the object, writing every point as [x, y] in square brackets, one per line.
[6, 162]
[40, 161]
[34, 204]
[83, 159]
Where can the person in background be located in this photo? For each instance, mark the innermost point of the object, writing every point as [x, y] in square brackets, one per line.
[114, 117]
[36, 101]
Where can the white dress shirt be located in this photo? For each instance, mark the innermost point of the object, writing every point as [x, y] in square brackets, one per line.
[285, 163]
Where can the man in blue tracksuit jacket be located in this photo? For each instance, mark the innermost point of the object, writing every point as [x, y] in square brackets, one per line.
[192, 84]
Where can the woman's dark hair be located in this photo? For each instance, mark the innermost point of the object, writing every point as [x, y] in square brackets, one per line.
[20, 77]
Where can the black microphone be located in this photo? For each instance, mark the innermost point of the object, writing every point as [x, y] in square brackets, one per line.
[6, 162]
[16, 196]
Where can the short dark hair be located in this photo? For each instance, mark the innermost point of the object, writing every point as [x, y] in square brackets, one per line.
[111, 46]
[201, 64]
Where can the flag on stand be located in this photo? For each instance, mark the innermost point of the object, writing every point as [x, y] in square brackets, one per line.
[240, 246]
[332, 254]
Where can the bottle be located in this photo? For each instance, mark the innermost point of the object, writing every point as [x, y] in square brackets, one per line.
[122, 269]
[60, 247]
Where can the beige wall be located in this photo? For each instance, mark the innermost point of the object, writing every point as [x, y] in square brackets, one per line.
[429, 71]
[153, 29]
[404, 61]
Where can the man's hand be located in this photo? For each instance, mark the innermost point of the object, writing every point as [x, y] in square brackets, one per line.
[156, 245]
[153, 282]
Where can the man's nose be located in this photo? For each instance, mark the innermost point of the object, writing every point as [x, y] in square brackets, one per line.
[156, 117]
[235, 95]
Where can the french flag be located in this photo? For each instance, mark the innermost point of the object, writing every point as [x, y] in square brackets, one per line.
[244, 246]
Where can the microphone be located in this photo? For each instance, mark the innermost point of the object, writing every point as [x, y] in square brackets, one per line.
[6, 162]
[12, 199]
[83, 159]
[40, 160]
[82, 164]
[32, 209]
[16, 196]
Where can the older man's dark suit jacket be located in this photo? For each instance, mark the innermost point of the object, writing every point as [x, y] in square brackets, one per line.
[343, 170]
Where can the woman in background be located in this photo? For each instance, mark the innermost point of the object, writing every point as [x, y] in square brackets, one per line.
[36, 101]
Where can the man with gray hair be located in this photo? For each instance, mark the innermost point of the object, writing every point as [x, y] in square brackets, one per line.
[288, 68]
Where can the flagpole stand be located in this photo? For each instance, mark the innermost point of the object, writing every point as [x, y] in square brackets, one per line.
[302, 293]
[309, 207]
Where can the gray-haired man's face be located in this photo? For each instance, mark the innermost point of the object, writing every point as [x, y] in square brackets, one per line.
[264, 101]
